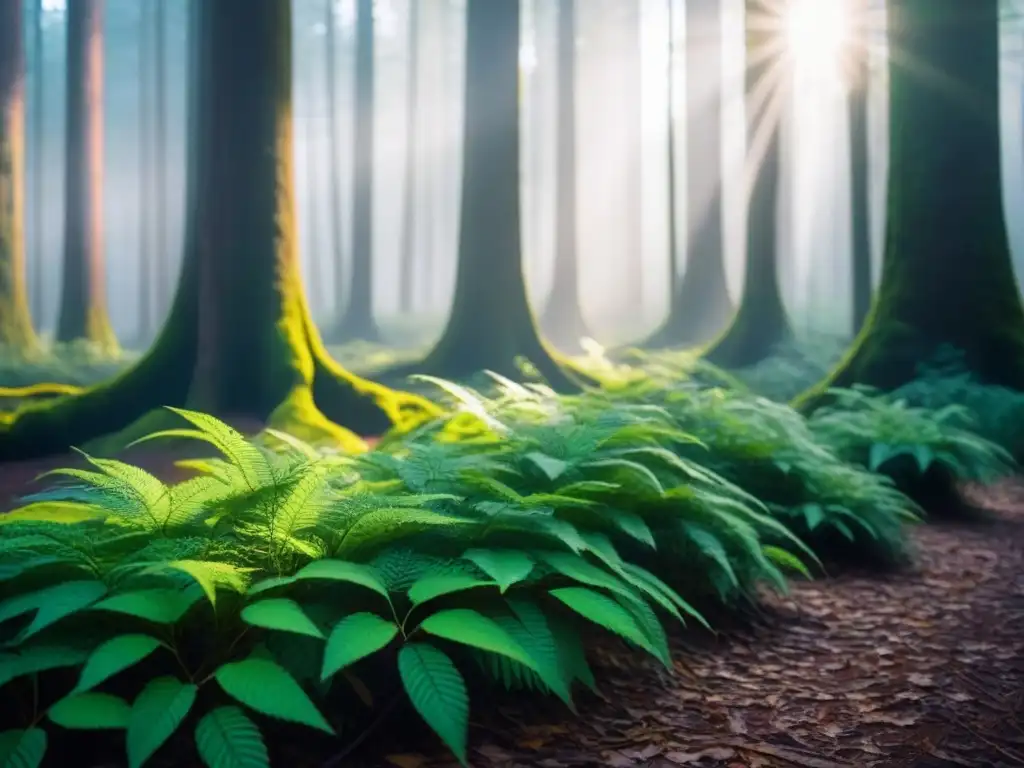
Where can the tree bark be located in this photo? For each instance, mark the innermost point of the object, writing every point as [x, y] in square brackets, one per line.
[16, 331]
[83, 309]
[407, 259]
[699, 303]
[244, 350]
[334, 153]
[860, 190]
[491, 324]
[358, 321]
[760, 323]
[947, 276]
[563, 317]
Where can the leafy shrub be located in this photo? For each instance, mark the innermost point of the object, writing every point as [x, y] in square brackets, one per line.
[886, 434]
[279, 575]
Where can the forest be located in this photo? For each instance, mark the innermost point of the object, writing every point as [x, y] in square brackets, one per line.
[511, 383]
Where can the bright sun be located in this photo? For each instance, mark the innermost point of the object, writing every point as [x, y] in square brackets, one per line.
[817, 32]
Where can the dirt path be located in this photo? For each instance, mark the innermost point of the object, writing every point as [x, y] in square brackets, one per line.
[922, 669]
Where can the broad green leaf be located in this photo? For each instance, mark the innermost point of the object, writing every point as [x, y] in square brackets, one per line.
[161, 606]
[462, 625]
[604, 611]
[632, 525]
[281, 614]
[40, 658]
[878, 454]
[530, 629]
[212, 575]
[354, 638]
[813, 514]
[438, 692]
[22, 749]
[438, 585]
[91, 712]
[266, 687]
[505, 566]
[579, 569]
[156, 714]
[113, 656]
[272, 582]
[340, 570]
[227, 738]
[52, 604]
[924, 457]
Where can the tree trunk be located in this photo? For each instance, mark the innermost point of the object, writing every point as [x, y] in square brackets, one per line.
[407, 263]
[38, 172]
[145, 325]
[245, 350]
[337, 249]
[760, 323]
[947, 277]
[164, 270]
[632, 106]
[563, 318]
[83, 309]
[316, 298]
[491, 324]
[16, 332]
[860, 189]
[358, 321]
[699, 303]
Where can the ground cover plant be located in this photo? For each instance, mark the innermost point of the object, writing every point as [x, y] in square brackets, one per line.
[251, 592]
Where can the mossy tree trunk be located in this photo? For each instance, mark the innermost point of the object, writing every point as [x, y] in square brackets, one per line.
[358, 321]
[699, 303]
[491, 324]
[239, 342]
[860, 189]
[562, 318]
[760, 323]
[947, 277]
[83, 306]
[16, 332]
[337, 249]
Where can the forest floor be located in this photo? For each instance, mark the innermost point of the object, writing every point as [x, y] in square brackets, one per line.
[922, 668]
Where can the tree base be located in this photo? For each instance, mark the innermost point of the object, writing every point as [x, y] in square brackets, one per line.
[748, 340]
[887, 357]
[687, 328]
[565, 328]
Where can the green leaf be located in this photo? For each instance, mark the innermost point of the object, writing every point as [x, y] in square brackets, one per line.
[579, 569]
[339, 570]
[280, 614]
[161, 606]
[813, 514]
[22, 749]
[604, 611]
[211, 575]
[786, 559]
[91, 712]
[438, 585]
[156, 714]
[878, 454]
[711, 546]
[354, 638]
[505, 566]
[227, 738]
[438, 692]
[113, 656]
[40, 658]
[923, 455]
[551, 467]
[265, 686]
[462, 625]
[52, 604]
[632, 525]
[531, 630]
[272, 582]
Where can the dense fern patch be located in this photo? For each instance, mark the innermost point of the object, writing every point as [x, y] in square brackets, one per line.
[286, 586]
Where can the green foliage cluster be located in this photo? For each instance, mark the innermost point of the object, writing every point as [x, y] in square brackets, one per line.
[285, 585]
